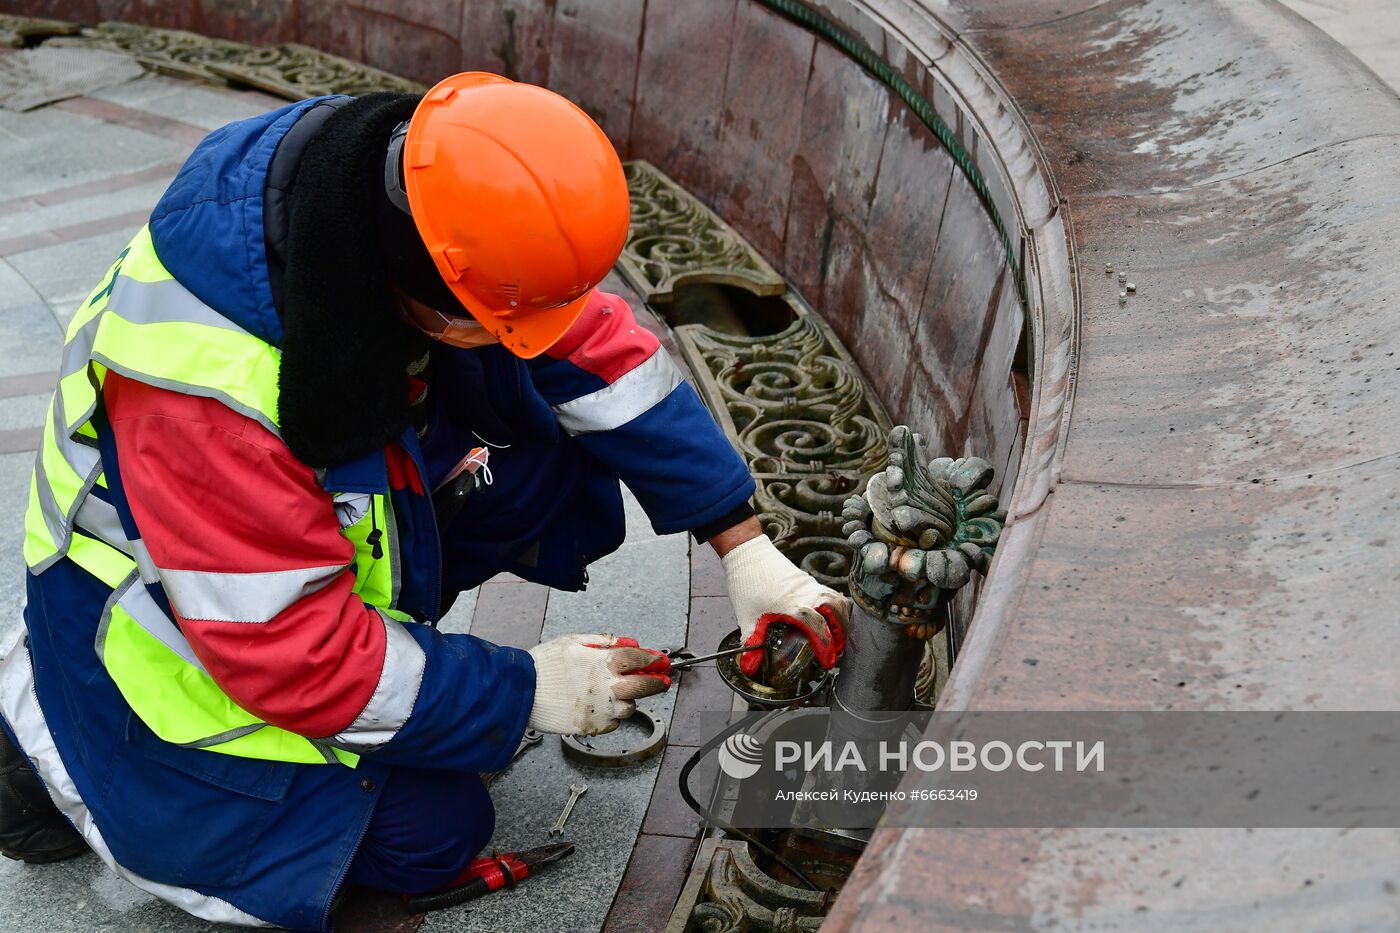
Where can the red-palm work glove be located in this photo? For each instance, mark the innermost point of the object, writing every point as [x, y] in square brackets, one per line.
[765, 587]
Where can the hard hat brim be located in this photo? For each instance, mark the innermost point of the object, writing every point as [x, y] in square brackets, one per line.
[530, 335]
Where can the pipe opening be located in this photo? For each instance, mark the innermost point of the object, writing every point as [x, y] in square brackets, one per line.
[726, 309]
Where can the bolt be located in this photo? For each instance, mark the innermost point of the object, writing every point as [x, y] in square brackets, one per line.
[1122, 277]
[1108, 268]
[1132, 289]
[1122, 298]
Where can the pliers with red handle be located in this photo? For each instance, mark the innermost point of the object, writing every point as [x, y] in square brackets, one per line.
[676, 659]
[491, 873]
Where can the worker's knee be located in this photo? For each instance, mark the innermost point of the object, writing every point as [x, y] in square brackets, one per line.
[426, 829]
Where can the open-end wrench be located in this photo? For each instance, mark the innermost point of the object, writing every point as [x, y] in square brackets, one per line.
[529, 740]
[575, 792]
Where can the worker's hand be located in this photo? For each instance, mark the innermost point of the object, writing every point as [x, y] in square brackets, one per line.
[586, 684]
[765, 587]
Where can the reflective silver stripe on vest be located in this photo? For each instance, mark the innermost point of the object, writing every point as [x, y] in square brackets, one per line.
[83, 457]
[615, 405]
[183, 388]
[150, 573]
[100, 519]
[21, 710]
[143, 303]
[48, 508]
[393, 698]
[76, 353]
[205, 596]
[138, 604]
[154, 303]
[85, 461]
[157, 302]
[226, 736]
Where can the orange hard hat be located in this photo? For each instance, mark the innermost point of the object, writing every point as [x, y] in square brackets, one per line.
[520, 200]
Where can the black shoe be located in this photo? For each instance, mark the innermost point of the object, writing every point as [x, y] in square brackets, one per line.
[31, 827]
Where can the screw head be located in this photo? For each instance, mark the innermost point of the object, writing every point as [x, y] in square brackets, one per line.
[1108, 268]
[1122, 298]
[1132, 287]
[1122, 277]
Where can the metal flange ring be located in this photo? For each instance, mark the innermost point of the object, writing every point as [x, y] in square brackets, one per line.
[576, 747]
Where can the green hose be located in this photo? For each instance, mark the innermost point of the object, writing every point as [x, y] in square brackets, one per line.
[878, 68]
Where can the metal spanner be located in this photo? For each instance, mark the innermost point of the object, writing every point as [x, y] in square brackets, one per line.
[575, 792]
[529, 740]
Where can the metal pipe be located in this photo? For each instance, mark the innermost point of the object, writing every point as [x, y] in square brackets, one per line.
[879, 665]
[917, 531]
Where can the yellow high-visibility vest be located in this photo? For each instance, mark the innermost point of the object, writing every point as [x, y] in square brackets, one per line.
[143, 324]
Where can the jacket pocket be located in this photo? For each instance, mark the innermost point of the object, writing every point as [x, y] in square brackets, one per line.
[188, 817]
[251, 777]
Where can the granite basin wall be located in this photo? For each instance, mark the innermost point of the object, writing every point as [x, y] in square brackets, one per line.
[819, 165]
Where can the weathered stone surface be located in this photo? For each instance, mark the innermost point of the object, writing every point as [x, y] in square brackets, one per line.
[1207, 610]
[957, 306]
[652, 883]
[1271, 351]
[701, 693]
[332, 27]
[959, 15]
[706, 572]
[760, 125]
[510, 613]
[510, 38]
[1160, 99]
[896, 242]
[668, 814]
[593, 60]
[711, 618]
[677, 117]
[417, 40]
[994, 414]
[836, 164]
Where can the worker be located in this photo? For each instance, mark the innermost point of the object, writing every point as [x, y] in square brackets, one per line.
[356, 363]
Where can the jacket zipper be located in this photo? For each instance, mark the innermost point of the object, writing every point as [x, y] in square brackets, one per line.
[340, 879]
[436, 604]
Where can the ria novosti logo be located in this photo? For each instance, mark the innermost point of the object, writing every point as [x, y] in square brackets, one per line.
[740, 756]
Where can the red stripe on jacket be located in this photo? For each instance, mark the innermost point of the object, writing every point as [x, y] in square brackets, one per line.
[606, 340]
[214, 491]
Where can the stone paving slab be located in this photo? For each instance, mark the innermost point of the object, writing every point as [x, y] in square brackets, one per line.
[29, 335]
[66, 273]
[206, 107]
[53, 148]
[574, 895]
[24, 411]
[14, 496]
[1370, 30]
[82, 210]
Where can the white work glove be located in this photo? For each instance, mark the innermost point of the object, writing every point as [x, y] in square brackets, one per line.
[586, 684]
[765, 587]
